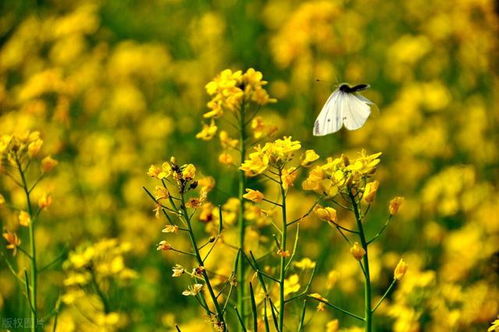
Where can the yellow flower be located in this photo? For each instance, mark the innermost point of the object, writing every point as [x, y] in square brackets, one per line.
[170, 229]
[261, 129]
[206, 214]
[206, 183]
[321, 306]
[34, 147]
[357, 251]
[194, 202]
[253, 195]
[193, 290]
[283, 253]
[45, 201]
[178, 270]
[282, 150]
[189, 172]
[395, 204]
[288, 177]
[13, 241]
[257, 163]
[153, 171]
[2, 200]
[370, 191]
[225, 158]
[328, 214]
[494, 327]
[400, 270]
[48, 164]
[291, 284]
[309, 158]
[226, 141]
[364, 165]
[163, 245]
[160, 193]
[305, 263]
[333, 326]
[208, 131]
[24, 218]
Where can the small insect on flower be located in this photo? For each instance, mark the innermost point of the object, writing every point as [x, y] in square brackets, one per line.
[345, 106]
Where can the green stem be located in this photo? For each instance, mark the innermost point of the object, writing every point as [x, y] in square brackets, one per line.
[31, 230]
[365, 260]
[283, 256]
[220, 315]
[394, 281]
[242, 227]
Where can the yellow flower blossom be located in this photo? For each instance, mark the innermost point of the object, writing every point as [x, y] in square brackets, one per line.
[226, 158]
[178, 270]
[291, 284]
[253, 195]
[2, 200]
[257, 163]
[327, 214]
[304, 264]
[283, 253]
[321, 306]
[395, 204]
[261, 129]
[400, 270]
[288, 177]
[370, 191]
[309, 158]
[193, 290]
[226, 141]
[164, 246]
[170, 229]
[357, 251]
[45, 201]
[48, 163]
[24, 218]
[13, 241]
[208, 131]
[189, 172]
[333, 326]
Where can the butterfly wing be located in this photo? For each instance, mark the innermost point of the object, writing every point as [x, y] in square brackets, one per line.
[330, 119]
[355, 110]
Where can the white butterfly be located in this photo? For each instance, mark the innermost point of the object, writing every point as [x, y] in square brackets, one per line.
[343, 107]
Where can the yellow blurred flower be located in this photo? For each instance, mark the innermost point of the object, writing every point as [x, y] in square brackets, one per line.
[395, 204]
[253, 195]
[24, 218]
[309, 158]
[370, 191]
[13, 241]
[48, 164]
[305, 263]
[193, 290]
[327, 214]
[357, 251]
[400, 270]
[208, 131]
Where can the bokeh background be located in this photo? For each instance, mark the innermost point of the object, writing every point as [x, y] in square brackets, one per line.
[114, 86]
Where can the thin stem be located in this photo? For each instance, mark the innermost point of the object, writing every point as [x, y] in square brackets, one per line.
[241, 222]
[100, 293]
[302, 317]
[336, 308]
[283, 256]
[394, 281]
[365, 260]
[33, 268]
[200, 262]
[381, 231]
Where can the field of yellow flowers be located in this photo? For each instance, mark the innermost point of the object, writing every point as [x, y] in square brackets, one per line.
[158, 170]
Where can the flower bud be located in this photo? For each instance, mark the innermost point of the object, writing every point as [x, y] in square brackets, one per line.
[395, 204]
[400, 270]
[48, 163]
[253, 195]
[357, 251]
[370, 192]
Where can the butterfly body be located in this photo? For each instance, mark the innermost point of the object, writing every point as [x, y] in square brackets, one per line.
[344, 107]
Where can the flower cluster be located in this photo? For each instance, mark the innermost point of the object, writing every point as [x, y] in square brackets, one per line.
[275, 155]
[339, 173]
[230, 90]
[94, 266]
